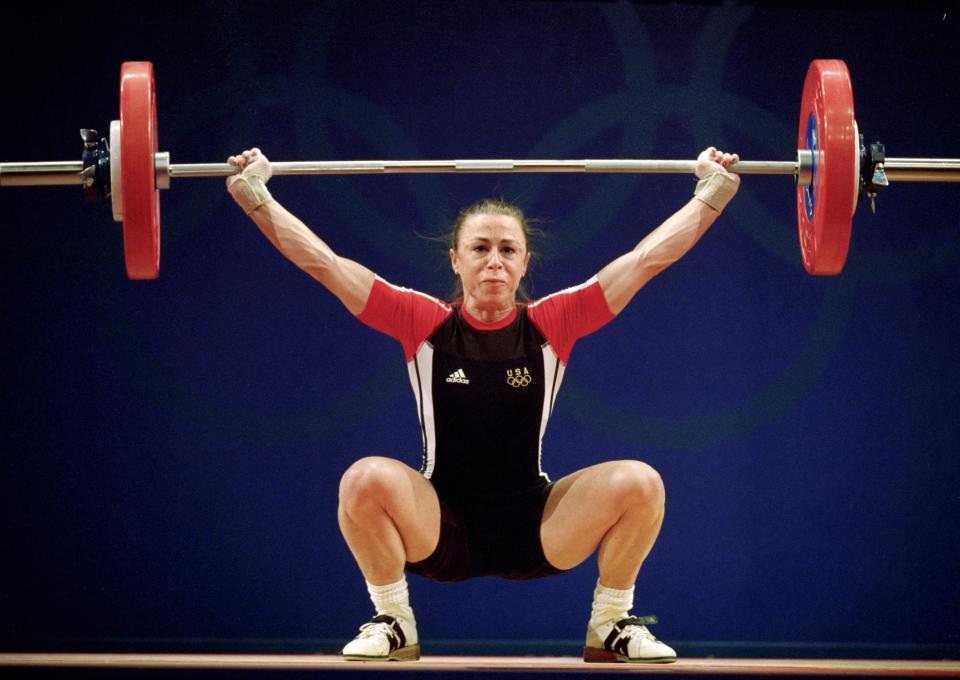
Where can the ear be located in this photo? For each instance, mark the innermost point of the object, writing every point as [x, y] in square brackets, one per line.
[454, 261]
[526, 263]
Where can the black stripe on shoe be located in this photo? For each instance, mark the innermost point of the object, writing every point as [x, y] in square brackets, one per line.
[398, 639]
[616, 641]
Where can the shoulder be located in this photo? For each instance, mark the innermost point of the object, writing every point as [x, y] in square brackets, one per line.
[403, 313]
[569, 314]
[586, 297]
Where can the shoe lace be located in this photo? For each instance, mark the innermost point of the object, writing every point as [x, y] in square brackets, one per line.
[637, 625]
[374, 628]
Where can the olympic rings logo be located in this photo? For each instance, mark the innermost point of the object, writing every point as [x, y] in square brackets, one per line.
[517, 377]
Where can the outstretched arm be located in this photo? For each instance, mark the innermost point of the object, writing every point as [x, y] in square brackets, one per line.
[350, 281]
[621, 279]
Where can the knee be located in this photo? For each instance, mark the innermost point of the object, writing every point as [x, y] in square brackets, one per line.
[366, 484]
[637, 484]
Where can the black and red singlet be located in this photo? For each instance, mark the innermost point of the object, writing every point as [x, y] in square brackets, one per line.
[485, 391]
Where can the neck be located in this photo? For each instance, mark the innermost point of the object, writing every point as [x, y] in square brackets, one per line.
[488, 312]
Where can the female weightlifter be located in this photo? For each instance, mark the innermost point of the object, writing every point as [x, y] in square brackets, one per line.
[485, 371]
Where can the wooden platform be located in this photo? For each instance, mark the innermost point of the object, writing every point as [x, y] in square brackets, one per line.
[487, 664]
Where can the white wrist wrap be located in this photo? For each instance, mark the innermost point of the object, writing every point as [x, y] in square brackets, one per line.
[250, 192]
[716, 190]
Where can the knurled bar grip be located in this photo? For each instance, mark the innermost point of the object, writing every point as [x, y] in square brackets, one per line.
[505, 165]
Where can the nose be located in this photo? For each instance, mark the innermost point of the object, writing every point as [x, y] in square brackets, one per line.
[493, 260]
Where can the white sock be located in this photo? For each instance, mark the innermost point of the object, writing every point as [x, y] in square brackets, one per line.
[392, 599]
[610, 604]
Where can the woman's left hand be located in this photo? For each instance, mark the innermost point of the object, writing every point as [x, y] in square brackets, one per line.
[251, 162]
[712, 160]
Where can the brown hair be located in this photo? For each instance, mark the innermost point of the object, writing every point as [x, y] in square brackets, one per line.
[493, 206]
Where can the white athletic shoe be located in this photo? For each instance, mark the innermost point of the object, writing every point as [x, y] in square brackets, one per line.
[384, 638]
[626, 641]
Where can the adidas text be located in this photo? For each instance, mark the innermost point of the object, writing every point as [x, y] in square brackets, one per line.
[458, 376]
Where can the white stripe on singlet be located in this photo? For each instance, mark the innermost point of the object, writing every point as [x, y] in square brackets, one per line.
[566, 291]
[552, 377]
[420, 369]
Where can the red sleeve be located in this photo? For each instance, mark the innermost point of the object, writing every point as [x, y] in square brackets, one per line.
[404, 314]
[570, 314]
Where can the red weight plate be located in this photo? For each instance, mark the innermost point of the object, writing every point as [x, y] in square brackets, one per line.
[138, 144]
[827, 127]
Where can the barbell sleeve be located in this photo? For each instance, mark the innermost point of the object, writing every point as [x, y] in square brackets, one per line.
[922, 169]
[44, 173]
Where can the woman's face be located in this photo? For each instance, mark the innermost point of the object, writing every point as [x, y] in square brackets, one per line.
[491, 258]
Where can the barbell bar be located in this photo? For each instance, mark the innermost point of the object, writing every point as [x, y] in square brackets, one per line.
[833, 170]
[70, 173]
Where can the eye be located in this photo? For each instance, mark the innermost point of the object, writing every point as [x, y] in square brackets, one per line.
[479, 249]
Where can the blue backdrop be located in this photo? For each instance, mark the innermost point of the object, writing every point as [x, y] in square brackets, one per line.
[173, 448]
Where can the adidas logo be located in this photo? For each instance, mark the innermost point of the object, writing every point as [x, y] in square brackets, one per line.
[458, 376]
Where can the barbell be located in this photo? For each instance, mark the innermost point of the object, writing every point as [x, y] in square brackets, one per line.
[833, 169]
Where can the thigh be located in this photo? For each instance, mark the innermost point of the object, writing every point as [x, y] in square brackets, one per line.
[408, 498]
[452, 559]
[581, 509]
